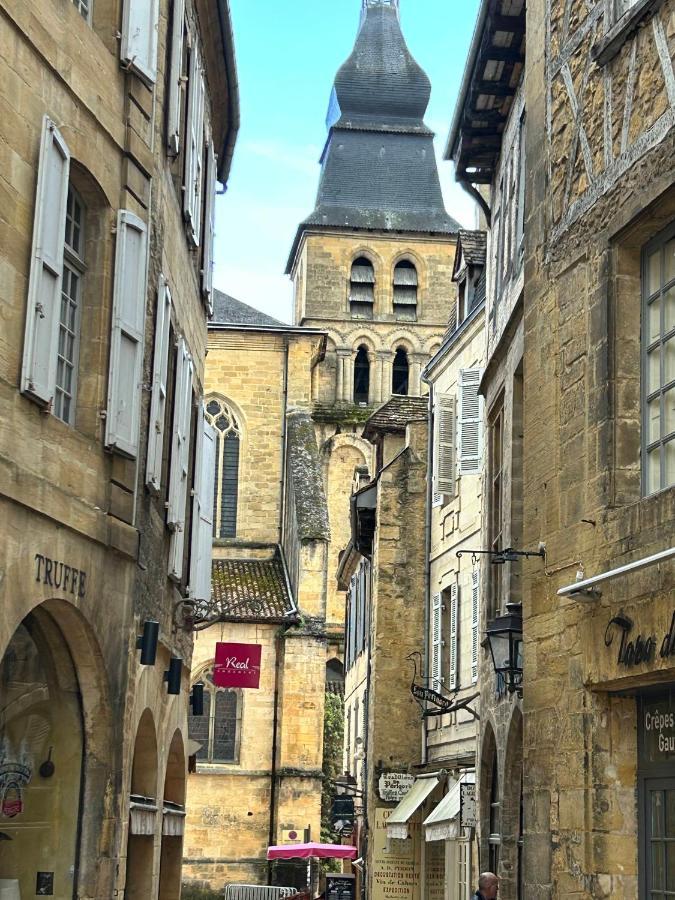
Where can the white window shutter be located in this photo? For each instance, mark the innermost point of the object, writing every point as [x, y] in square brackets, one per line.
[444, 446]
[140, 23]
[175, 76]
[160, 367]
[437, 642]
[192, 200]
[202, 515]
[470, 422]
[454, 658]
[209, 227]
[475, 615]
[180, 460]
[38, 375]
[128, 326]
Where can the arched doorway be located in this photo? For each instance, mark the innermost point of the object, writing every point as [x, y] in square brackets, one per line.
[173, 822]
[143, 812]
[41, 759]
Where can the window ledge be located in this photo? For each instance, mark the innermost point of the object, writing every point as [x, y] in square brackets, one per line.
[609, 47]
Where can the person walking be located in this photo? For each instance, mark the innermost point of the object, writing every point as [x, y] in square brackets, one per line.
[488, 887]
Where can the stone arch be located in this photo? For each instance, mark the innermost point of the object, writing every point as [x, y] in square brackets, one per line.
[511, 807]
[403, 337]
[143, 815]
[346, 439]
[362, 335]
[335, 676]
[230, 452]
[410, 256]
[50, 722]
[488, 766]
[173, 821]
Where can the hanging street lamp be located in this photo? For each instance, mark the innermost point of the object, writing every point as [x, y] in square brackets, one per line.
[505, 639]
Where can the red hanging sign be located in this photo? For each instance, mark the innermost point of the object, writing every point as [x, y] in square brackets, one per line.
[237, 665]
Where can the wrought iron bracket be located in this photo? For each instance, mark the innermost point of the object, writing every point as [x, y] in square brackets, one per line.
[508, 554]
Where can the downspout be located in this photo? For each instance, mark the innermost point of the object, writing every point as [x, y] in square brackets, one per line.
[284, 437]
[271, 838]
[364, 848]
[476, 195]
[427, 549]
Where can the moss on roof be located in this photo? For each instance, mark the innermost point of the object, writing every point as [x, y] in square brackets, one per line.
[311, 508]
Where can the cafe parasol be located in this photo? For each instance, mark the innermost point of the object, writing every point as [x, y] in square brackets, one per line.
[312, 851]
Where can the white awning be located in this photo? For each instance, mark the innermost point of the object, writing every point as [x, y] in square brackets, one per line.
[443, 823]
[397, 823]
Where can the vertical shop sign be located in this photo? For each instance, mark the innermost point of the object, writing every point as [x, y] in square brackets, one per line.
[237, 665]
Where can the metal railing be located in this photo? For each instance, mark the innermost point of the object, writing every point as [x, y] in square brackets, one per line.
[257, 892]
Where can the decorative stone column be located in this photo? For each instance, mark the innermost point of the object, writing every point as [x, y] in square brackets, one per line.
[417, 361]
[375, 385]
[344, 388]
[387, 368]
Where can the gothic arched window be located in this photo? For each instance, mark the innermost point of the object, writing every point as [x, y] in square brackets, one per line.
[362, 289]
[218, 730]
[405, 291]
[226, 494]
[401, 373]
[361, 376]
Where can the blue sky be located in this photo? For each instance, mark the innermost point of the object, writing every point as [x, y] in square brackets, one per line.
[287, 56]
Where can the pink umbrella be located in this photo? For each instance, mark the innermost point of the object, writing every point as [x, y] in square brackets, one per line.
[312, 851]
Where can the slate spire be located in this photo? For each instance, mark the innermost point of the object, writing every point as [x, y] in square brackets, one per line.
[379, 168]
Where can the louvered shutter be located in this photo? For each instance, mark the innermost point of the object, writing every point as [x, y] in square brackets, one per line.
[470, 422]
[38, 375]
[180, 443]
[126, 342]
[475, 614]
[454, 628]
[202, 515]
[192, 201]
[140, 22]
[175, 78]
[160, 367]
[437, 642]
[444, 446]
[209, 227]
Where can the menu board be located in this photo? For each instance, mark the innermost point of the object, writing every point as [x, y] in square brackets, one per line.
[340, 887]
[395, 866]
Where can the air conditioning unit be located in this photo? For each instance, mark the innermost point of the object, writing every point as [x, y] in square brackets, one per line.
[293, 836]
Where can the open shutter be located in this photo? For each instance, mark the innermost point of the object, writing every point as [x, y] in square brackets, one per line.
[160, 369]
[175, 78]
[126, 342]
[38, 375]
[437, 642]
[470, 422]
[194, 151]
[444, 447]
[180, 460]
[475, 613]
[209, 227]
[138, 50]
[202, 516]
[454, 658]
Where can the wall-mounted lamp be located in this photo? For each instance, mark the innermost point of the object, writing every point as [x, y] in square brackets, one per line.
[173, 675]
[197, 699]
[505, 639]
[147, 643]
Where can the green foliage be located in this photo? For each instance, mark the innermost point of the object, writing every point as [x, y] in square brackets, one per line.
[333, 734]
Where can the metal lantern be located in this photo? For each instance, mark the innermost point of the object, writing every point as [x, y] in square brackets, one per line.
[505, 638]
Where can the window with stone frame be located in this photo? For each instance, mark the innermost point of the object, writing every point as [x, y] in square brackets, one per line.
[70, 313]
[228, 446]
[658, 362]
[496, 502]
[405, 291]
[218, 731]
[362, 289]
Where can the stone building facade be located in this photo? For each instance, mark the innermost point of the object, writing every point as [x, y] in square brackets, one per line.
[598, 488]
[258, 775]
[105, 282]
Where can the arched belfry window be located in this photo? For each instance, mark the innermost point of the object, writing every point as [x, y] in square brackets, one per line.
[226, 492]
[361, 376]
[405, 291]
[401, 373]
[362, 289]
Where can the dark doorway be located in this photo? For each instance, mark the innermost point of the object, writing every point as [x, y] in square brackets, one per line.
[401, 375]
[361, 376]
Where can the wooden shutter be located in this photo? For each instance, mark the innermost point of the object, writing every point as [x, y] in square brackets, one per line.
[126, 342]
[470, 422]
[437, 642]
[454, 629]
[444, 447]
[180, 442]
[140, 23]
[175, 78]
[202, 515]
[209, 227]
[194, 150]
[160, 367]
[475, 616]
[38, 375]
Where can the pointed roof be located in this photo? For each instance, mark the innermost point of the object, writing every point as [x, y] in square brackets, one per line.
[229, 311]
[379, 170]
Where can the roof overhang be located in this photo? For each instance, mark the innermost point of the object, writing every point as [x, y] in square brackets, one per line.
[491, 78]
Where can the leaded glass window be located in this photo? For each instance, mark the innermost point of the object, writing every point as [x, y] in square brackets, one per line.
[218, 730]
[226, 494]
